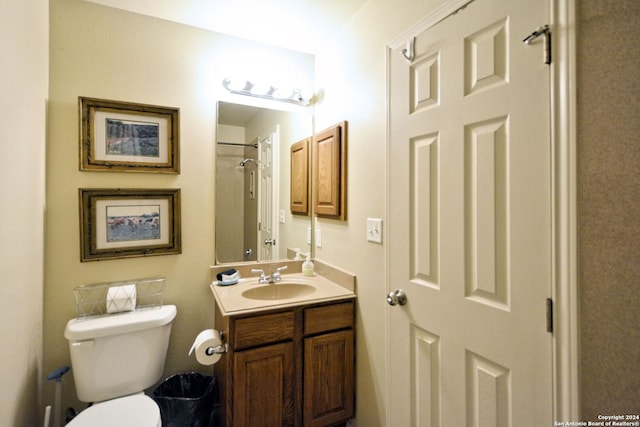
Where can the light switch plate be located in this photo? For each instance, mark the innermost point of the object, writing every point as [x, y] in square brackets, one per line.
[374, 230]
[318, 238]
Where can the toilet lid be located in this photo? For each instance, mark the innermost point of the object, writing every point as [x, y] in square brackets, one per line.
[138, 410]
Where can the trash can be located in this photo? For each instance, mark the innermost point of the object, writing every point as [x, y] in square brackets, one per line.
[186, 400]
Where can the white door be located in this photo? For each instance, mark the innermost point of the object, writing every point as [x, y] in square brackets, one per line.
[469, 220]
[267, 196]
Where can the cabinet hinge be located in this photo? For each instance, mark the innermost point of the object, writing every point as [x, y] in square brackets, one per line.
[545, 32]
[549, 315]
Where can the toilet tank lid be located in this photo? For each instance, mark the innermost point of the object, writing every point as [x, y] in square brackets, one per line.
[83, 328]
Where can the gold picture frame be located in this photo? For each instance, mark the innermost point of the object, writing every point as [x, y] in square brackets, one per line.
[126, 223]
[128, 137]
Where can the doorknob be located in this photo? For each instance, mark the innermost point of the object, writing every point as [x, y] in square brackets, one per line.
[397, 297]
[271, 242]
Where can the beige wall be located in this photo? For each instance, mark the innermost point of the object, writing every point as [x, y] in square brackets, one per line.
[24, 44]
[108, 53]
[351, 73]
[609, 205]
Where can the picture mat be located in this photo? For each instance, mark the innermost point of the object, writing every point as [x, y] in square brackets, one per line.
[100, 133]
[102, 222]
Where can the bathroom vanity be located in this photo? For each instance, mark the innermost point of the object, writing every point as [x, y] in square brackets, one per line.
[291, 353]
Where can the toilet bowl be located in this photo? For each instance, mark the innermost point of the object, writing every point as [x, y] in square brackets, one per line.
[137, 410]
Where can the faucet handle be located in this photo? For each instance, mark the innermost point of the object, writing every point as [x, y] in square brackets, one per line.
[263, 277]
[275, 276]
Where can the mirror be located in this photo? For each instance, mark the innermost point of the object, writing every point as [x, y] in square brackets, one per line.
[253, 217]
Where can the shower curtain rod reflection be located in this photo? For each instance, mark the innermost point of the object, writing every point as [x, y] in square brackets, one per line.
[236, 144]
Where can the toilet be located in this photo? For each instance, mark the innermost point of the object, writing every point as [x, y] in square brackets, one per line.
[114, 358]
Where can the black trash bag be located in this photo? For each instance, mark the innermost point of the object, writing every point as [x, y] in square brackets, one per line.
[186, 400]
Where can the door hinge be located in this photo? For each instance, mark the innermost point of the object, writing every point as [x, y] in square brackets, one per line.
[549, 315]
[545, 32]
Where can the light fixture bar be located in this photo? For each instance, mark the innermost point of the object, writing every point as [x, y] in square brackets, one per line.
[245, 87]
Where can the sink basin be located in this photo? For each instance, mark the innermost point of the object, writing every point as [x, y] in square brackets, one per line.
[279, 291]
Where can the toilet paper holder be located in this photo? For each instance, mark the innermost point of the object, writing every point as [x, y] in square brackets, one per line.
[219, 349]
[209, 347]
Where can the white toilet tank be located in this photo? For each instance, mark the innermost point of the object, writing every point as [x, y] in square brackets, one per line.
[119, 354]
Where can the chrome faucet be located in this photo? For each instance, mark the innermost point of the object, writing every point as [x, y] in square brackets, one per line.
[272, 278]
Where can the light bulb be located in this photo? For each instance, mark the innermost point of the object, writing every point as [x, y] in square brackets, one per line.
[283, 92]
[260, 89]
[306, 94]
[236, 84]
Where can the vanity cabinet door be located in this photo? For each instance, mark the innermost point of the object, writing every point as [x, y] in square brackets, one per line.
[264, 386]
[329, 378]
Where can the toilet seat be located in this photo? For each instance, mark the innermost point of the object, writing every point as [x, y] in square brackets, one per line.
[137, 410]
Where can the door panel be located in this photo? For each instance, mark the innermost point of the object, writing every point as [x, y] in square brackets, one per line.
[469, 221]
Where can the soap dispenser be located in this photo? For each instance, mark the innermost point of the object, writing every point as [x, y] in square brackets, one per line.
[307, 267]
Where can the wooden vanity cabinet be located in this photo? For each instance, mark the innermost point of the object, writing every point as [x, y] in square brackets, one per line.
[293, 367]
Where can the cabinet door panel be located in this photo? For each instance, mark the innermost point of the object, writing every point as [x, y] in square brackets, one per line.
[299, 186]
[329, 379]
[330, 172]
[264, 386]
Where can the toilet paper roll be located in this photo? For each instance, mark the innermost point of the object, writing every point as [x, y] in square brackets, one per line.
[208, 347]
[121, 298]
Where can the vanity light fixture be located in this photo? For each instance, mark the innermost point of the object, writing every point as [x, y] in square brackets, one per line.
[246, 87]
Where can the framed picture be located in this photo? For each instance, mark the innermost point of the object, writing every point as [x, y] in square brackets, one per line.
[125, 223]
[123, 136]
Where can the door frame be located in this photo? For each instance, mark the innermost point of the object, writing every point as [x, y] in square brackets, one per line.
[563, 129]
[566, 349]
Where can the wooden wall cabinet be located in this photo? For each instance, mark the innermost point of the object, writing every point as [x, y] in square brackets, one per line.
[330, 172]
[299, 186]
[293, 367]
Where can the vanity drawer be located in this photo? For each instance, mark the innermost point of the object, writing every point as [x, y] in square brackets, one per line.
[328, 318]
[264, 329]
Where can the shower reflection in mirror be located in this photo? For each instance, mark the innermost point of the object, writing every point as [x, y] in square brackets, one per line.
[252, 184]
